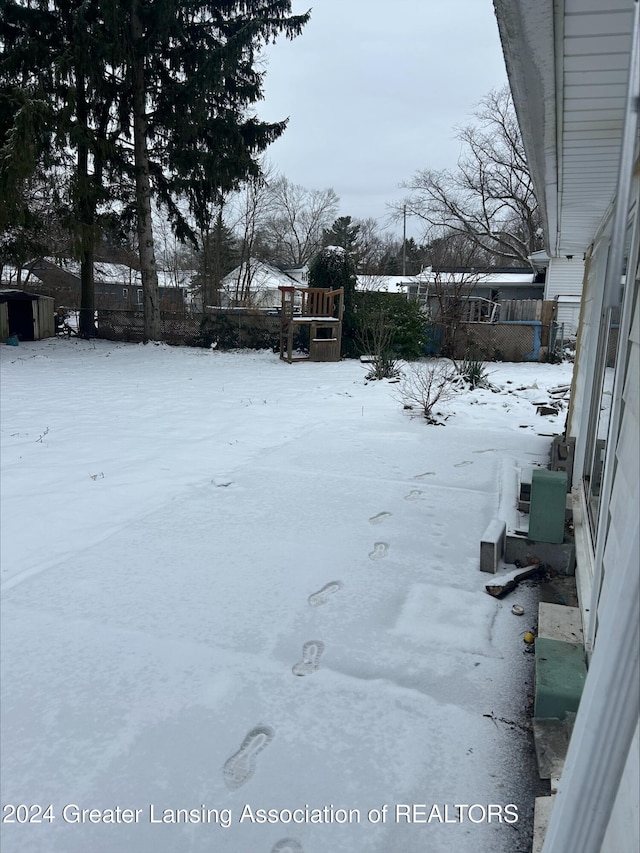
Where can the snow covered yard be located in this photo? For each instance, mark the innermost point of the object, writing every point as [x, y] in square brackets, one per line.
[232, 584]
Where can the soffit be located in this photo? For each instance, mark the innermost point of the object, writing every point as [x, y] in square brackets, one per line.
[580, 54]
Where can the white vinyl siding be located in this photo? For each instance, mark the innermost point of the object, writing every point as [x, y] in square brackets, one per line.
[564, 278]
[625, 816]
[564, 282]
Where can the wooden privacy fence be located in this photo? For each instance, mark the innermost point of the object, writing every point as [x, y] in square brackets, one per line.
[480, 310]
[510, 310]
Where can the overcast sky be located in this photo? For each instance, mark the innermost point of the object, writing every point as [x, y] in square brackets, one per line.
[374, 91]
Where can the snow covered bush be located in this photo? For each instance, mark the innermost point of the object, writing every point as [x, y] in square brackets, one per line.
[473, 371]
[383, 366]
[426, 384]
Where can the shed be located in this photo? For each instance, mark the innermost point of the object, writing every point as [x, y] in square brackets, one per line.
[27, 316]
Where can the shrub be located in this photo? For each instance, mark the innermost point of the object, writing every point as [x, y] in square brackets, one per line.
[383, 366]
[390, 323]
[473, 370]
[427, 384]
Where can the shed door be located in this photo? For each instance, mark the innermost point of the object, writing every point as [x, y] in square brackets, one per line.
[21, 319]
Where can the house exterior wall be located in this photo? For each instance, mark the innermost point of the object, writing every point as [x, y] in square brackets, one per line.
[625, 812]
[564, 282]
[564, 277]
[605, 421]
[254, 286]
[574, 70]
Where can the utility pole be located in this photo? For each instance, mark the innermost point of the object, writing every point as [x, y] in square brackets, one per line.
[404, 240]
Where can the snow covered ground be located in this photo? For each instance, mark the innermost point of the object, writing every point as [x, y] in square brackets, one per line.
[232, 584]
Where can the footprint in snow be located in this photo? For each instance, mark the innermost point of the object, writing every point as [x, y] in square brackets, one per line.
[463, 464]
[287, 845]
[242, 765]
[377, 519]
[379, 551]
[311, 654]
[413, 495]
[323, 595]
[426, 474]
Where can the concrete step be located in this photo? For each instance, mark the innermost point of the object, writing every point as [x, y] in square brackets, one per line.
[541, 818]
[558, 622]
[551, 739]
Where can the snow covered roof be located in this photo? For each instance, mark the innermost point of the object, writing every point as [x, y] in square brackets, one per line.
[384, 283]
[262, 275]
[107, 273]
[402, 283]
[9, 294]
[484, 277]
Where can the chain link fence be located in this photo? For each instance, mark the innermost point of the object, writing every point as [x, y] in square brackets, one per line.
[525, 340]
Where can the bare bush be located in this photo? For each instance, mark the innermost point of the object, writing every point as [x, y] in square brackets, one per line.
[427, 384]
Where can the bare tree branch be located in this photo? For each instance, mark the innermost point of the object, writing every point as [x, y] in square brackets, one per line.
[489, 198]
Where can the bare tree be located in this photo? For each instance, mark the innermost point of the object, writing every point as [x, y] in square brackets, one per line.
[298, 219]
[489, 198]
[373, 246]
[446, 285]
[446, 296]
[252, 206]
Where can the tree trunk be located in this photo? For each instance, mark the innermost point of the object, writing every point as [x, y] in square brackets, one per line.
[151, 297]
[86, 217]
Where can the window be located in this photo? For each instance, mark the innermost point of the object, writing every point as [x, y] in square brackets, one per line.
[600, 413]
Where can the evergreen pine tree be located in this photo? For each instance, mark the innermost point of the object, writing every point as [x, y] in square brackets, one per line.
[175, 79]
[56, 53]
[332, 268]
[342, 233]
[192, 75]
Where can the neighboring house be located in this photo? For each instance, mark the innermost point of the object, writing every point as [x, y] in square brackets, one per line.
[563, 284]
[254, 284]
[117, 286]
[494, 284]
[574, 71]
[384, 283]
[488, 293]
[300, 274]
